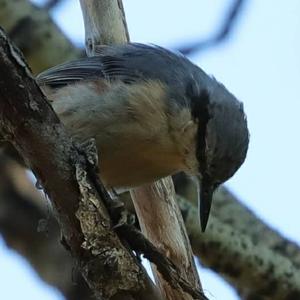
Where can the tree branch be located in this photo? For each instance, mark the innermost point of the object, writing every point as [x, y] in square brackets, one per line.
[163, 264]
[29, 123]
[104, 23]
[163, 225]
[229, 210]
[249, 264]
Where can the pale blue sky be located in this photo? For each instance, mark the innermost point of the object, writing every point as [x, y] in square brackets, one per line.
[260, 64]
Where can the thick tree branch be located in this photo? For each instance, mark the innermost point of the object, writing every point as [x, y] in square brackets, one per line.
[185, 285]
[28, 121]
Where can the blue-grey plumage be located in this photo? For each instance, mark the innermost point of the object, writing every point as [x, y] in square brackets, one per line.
[153, 113]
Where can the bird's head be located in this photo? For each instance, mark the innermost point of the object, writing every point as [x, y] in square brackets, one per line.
[221, 141]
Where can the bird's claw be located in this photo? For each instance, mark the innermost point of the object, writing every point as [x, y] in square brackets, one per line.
[125, 218]
[90, 150]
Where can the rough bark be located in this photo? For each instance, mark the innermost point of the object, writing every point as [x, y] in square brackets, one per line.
[28, 226]
[29, 123]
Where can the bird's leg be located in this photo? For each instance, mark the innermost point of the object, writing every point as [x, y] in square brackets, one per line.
[89, 149]
[115, 201]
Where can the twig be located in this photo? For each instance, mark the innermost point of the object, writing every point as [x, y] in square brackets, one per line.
[165, 266]
[224, 31]
[50, 4]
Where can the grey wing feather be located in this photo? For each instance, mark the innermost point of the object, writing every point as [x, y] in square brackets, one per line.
[129, 63]
[69, 72]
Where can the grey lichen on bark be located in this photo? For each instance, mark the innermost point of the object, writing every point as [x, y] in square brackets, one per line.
[99, 239]
[244, 262]
[28, 226]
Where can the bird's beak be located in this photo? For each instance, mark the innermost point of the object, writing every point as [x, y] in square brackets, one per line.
[205, 194]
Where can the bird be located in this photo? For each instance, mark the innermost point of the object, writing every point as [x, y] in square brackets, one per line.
[153, 113]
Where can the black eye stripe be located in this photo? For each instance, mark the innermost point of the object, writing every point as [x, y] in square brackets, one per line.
[200, 112]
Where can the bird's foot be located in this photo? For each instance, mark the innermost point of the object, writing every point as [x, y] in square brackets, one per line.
[119, 215]
[89, 148]
[125, 218]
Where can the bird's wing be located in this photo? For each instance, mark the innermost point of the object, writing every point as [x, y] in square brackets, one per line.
[128, 63]
[69, 72]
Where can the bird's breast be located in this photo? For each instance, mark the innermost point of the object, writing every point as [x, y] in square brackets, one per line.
[130, 126]
[130, 165]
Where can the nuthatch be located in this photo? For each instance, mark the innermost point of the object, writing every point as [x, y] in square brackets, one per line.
[152, 113]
